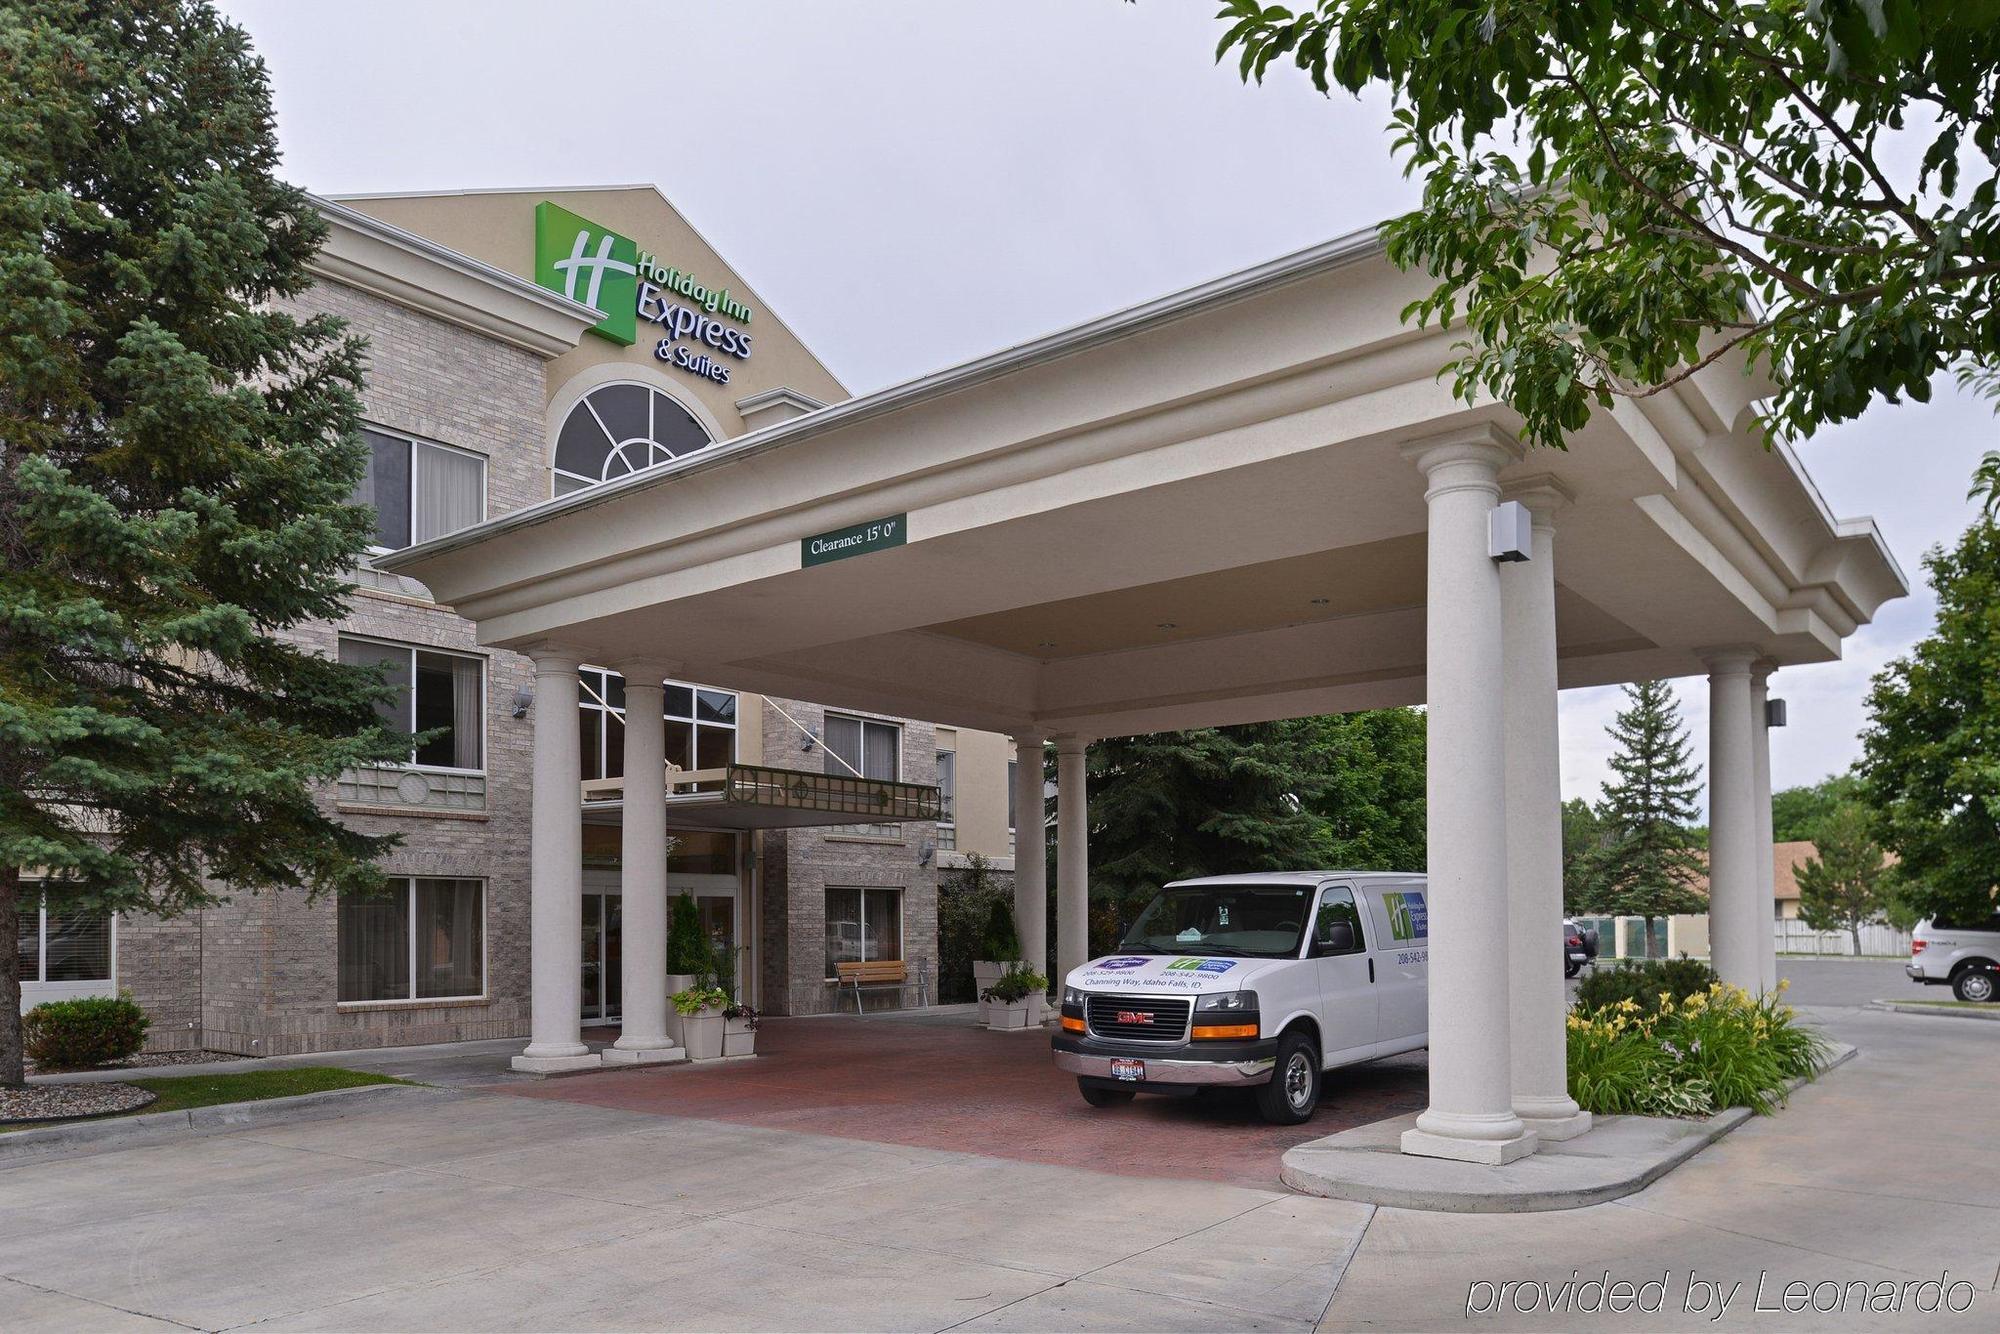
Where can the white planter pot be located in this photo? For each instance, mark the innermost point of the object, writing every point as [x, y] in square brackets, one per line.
[1003, 1016]
[676, 983]
[738, 1038]
[701, 1034]
[985, 972]
[1038, 1009]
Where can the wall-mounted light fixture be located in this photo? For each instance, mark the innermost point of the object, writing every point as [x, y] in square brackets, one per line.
[925, 851]
[524, 699]
[1774, 713]
[1510, 532]
[809, 737]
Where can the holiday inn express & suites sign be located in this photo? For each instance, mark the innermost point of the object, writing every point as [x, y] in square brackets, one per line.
[592, 264]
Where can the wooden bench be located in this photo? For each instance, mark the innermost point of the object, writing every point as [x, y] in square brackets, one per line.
[876, 973]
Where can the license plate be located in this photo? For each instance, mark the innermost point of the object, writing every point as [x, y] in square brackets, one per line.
[1124, 1067]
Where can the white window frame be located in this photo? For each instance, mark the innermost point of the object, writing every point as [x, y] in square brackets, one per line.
[589, 701]
[485, 691]
[34, 993]
[654, 393]
[947, 825]
[416, 444]
[902, 894]
[410, 948]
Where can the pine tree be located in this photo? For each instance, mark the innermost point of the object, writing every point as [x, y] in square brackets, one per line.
[1583, 842]
[175, 458]
[1651, 857]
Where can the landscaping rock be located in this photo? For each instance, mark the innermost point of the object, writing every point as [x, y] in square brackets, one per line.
[62, 1102]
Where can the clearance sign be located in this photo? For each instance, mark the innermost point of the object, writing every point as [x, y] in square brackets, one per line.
[592, 264]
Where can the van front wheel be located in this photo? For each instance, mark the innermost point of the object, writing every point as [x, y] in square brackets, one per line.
[1098, 1096]
[1293, 1092]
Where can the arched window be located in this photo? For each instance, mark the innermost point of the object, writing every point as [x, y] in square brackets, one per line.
[617, 429]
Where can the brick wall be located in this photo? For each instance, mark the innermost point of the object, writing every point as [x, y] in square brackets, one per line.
[800, 864]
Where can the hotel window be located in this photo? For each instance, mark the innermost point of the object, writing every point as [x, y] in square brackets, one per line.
[441, 692]
[947, 781]
[419, 490]
[862, 926]
[61, 945]
[862, 747]
[701, 725]
[616, 430]
[424, 940]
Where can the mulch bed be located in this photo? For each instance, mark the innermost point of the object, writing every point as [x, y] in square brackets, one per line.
[67, 1102]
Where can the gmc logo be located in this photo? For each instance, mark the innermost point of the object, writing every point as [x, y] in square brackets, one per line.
[1134, 1017]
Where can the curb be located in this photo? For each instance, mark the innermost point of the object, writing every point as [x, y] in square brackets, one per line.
[1990, 1015]
[154, 1127]
[1440, 1186]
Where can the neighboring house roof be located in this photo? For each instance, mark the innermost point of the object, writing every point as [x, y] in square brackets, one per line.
[1789, 858]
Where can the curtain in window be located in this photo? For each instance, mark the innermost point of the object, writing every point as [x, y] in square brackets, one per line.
[393, 662]
[449, 492]
[843, 928]
[449, 932]
[842, 739]
[387, 489]
[467, 711]
[878, 751]
[373, 946]
[947, 781]
[882, 919]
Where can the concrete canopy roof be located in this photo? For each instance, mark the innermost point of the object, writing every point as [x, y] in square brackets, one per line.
[1191, 513]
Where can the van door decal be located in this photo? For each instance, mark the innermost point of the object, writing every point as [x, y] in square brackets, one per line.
[1409, 918]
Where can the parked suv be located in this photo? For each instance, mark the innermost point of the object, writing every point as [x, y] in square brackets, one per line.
[1963, 953]
[1579, 946]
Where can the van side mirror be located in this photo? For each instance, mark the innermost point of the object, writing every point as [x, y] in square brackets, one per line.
[1339, 939]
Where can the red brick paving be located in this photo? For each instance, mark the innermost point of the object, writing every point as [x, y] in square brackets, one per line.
[953, 1086]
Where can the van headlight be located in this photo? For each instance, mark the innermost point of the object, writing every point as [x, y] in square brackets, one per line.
[1072, 996]
[1228, 1000]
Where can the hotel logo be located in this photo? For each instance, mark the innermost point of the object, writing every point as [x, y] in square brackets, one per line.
[591, 264]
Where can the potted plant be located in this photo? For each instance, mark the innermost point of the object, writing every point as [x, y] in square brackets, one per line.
[739, 1031]
[700, 1010]
[999, 951]
[1009, 1001]
[690, 958]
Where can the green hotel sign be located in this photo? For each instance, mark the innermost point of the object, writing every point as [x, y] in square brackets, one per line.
[858, 540]
[706, 328]
[591, 264]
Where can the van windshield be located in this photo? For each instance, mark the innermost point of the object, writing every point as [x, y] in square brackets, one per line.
[1257, 921]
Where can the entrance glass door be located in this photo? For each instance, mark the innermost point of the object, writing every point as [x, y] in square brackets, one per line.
[603, 949]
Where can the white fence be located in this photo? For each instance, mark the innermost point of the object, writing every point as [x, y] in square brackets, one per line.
[1795, 937]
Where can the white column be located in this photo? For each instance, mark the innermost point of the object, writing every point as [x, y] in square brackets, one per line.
[1534, 833]
[1031, 851]
[1733, 883]
[1767, 859]
[643, 873]
[1471, 1113]
[1072, 858]
[555, 950]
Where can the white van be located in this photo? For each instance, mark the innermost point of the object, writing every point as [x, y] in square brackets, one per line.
[1257, 981]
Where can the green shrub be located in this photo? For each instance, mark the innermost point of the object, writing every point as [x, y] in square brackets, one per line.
[1016, 983]
[966, 898]
[94, 1030]
[696, 999]
[999, 942]
[689, 953]
[1715, 1048]
[1642, 981]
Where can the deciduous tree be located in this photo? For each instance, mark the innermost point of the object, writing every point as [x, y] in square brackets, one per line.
[1618, 192]
[1930, 763]
[176, 454]
[1843, 884]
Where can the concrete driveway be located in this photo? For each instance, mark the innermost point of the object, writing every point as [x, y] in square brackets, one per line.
[488, 1210]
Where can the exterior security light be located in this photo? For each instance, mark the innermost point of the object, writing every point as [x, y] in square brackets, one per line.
[524, 699]
[1774, 713]
[1510, 532]
[925, 851]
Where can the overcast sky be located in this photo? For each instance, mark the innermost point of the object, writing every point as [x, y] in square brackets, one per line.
[911, 183]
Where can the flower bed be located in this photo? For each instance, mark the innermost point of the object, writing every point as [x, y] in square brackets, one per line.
[1689, 1057]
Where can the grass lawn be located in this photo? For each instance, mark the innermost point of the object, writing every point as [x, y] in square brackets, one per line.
[1953, 1004]
[178, 1093]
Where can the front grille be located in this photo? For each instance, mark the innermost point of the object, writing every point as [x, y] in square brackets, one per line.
[1144, 1018]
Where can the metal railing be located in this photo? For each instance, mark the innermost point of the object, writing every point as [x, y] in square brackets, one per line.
[874, 800]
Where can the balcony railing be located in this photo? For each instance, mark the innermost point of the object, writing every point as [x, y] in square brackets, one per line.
[396, 785]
